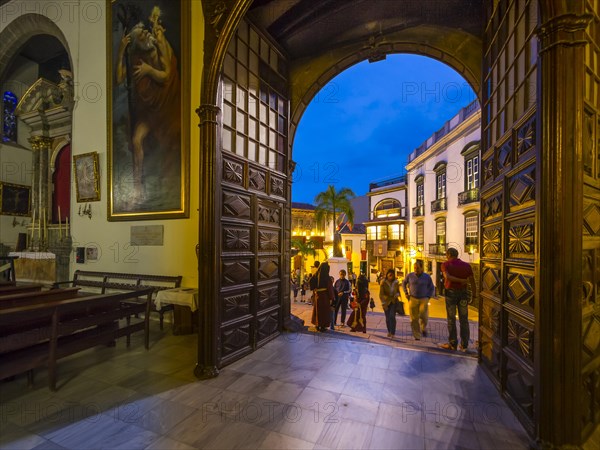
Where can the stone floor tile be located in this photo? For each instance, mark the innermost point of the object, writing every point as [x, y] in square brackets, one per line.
[316, 399]
[400, 418]
[278, 441]
[164, 416]
[281, 392]
[368, 390]
[242, 435]
[356, 410]
[165, 443]
[328, 382]
[384, 438]
[346, 434]
[304, 424]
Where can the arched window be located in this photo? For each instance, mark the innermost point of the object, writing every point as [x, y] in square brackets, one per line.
[9, 120]
[388, 208]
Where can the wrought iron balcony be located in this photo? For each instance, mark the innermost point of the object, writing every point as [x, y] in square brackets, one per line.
[438, 249]
[470, 196]
[418, 211]
[439, 205]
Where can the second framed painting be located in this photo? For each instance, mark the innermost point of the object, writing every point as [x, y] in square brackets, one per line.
[148, 123]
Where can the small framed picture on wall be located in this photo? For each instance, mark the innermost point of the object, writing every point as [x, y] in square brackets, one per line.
[87, 177]
[15, 199]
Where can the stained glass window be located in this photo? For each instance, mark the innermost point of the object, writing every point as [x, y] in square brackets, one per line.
[9, 125]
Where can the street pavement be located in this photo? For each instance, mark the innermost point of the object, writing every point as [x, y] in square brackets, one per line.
[377, 332]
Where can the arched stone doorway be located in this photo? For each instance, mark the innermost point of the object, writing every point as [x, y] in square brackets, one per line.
[539, 85]
[35, 57]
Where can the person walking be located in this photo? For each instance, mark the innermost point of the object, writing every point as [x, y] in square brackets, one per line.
[360, 304]
[303, 288]
[420, 290]
[343, 288]
[323, 298]
[389, 293]
[456, 274]
[295, 288]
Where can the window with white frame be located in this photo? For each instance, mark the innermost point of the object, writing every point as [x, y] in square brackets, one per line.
[471, 230]
[388, 208]
[382, 232]
[441, 185]
[394, 231]
[472, 170]
[401, 231]
[372, 233]
[420, 194]
[420, 233]
[440, 232]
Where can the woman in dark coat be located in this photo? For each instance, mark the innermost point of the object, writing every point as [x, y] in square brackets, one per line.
[323, 299]
[358, 318]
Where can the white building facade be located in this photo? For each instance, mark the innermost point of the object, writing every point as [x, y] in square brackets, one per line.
[386, 229]
[443, 179]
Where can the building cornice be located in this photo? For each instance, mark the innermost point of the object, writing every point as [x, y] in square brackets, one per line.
[471, 122]
[386, 191]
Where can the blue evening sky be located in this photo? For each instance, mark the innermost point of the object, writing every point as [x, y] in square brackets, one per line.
[363, 125]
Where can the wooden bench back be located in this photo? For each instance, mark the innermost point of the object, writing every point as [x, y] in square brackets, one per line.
[21, 288]
[34, 298]
[105, 282]
[25, 325]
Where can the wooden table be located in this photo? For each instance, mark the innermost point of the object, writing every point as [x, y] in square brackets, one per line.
[185, 307]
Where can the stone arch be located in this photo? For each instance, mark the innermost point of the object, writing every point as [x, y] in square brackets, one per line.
[20, 30]
[459, 50]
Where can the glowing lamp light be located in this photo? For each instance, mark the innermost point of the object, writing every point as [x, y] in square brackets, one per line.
[471, 250]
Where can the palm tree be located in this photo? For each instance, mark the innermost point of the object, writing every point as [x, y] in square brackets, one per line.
[332, 205]
[305, 249]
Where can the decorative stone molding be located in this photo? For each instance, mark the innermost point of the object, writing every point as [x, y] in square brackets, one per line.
[566, 30]
[217, 16]
[40, 142]
[208, 114]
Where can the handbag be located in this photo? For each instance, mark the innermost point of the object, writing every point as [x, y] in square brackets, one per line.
[372, 303]
[400, 308]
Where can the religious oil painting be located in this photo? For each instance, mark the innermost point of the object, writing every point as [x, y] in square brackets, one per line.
[87, 177]
[15, 199]
[148, 170]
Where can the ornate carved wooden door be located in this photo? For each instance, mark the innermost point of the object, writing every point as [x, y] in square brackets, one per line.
[508, 215]
[253, 194]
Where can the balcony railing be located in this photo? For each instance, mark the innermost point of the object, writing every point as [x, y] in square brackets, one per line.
[462, 115]
[439, 205]
[388, 182]
[438, 249]
[418, 211]
[470, 196]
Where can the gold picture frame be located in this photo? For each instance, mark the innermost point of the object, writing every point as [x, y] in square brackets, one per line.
[148, 109]
[87, 177]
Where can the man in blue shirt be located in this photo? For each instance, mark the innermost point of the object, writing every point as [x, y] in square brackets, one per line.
[420, 290]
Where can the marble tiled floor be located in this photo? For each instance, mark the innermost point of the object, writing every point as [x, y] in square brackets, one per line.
[377, 331]
[302, 390]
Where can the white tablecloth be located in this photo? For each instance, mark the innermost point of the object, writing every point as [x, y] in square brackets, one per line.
[178, 296]
[33, 255]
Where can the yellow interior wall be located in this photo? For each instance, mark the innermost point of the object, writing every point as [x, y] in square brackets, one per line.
[84, 26]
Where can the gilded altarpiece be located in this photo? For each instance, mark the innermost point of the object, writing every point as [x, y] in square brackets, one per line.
[590, 302]
[253, 194]
[508, 219]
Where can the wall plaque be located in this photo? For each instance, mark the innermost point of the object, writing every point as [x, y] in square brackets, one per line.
[147, 235]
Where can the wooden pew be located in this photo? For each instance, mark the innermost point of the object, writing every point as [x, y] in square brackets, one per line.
[40, 334]
[32, 298]
[8, 289]
[105, 282]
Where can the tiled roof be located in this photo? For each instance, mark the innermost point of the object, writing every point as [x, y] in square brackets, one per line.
[358, 228]
[300, 205]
